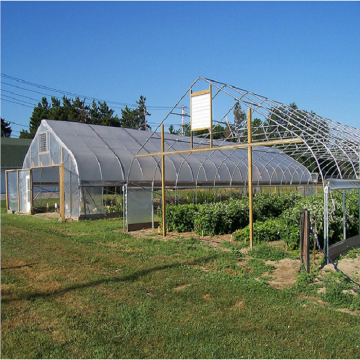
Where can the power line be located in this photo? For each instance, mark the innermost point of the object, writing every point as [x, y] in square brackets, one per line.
[12, 122]
[17, 103]
[22, 101]
[22, 81]
[27, 97]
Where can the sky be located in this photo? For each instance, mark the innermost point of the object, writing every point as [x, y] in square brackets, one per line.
[302, 52]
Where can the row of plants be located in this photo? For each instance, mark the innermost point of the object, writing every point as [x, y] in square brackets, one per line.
[227, 216]
[275, 218]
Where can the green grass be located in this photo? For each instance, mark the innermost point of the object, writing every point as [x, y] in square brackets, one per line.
[87, 290]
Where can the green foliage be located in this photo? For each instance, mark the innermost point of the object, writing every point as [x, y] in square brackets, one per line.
[338, 292]
[180, 218]
[135, 118]
[275, 218]
[265, 252]
[268, 230]
[352, 254]
[226, 216]
[221, 218]
[5, 128]
[76, 110]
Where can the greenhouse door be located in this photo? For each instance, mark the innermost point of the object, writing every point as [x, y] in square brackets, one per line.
[139, 209]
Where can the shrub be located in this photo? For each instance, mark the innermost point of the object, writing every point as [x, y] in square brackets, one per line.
[268, 230]
[221, 218]
[180, 218]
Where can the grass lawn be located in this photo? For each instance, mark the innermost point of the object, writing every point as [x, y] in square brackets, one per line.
[87, 290]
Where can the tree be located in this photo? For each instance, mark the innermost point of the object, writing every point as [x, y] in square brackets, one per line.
[5, 128]
[74, 110]
[135, 118]
[101, 114]
[239, 115]
[172, 129]
[41, 111]
[141, 110]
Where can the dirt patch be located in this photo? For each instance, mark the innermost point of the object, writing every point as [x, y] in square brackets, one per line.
[47, 215]
[347, 311]
[350, 267]
[238, 305]
[284, 274]
[314, 299]
[206, 297]
[181, 287]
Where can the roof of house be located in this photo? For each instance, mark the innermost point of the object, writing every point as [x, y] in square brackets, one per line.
[13, 151]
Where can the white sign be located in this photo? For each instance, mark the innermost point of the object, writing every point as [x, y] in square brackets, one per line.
[201, 110]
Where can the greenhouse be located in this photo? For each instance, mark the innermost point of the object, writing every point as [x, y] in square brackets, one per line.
[82, 163]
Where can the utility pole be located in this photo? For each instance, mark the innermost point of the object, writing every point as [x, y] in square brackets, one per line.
[182, 118]
[145, 117]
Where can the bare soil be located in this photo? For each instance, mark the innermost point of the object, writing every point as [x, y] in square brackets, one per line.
[284, 274]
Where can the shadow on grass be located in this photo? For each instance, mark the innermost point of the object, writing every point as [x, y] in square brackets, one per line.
[132, 277]
[18, 267]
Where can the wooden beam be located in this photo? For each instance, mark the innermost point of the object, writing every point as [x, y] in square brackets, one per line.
[202, 92]
[223, 148]
[211, 118]
[163, 180]
[250, 178]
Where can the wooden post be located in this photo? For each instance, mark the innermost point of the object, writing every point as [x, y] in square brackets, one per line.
[211, 124]
[305, 239]
[61, 192]
[250, 179]
[70, 190]
[163, 181]
[6, 191]
[18, 190]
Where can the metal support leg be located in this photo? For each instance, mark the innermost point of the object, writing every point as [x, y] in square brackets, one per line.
[326, 221]
[344, 216]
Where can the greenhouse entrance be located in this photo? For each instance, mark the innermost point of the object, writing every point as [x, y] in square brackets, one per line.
[31, 191]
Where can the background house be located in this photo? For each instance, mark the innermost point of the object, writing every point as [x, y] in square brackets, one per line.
[13, 152]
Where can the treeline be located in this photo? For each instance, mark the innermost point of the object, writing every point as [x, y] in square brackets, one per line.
[75, 110]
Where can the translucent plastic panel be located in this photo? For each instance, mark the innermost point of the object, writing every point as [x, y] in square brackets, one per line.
[13, 190]
[139, 206]
[55, 150]
[34, 152]
[67, 184]
[24, 190]
[74, 181]
[91, 200]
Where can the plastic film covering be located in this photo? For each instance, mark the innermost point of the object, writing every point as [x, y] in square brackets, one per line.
[105, 156]
[67, 184]
[13, 190]
[91, 201]
[341, 184]
[74, 183]
[24, 191]
[55, 150]
[139, 206]
[34, 152]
